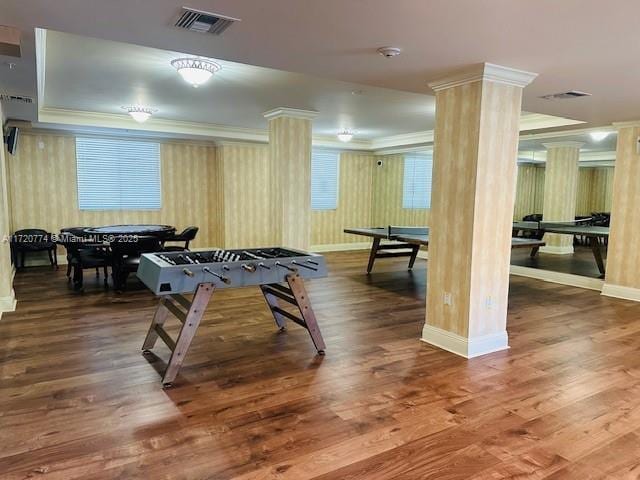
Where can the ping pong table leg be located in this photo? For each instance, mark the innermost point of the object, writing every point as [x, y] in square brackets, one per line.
[372, 255]
[594, 242]
[414, 253]
[534, 252]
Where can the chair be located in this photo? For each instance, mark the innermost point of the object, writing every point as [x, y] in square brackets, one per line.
[31, 240]
[126, 253]
[82, 255]
[185, 236]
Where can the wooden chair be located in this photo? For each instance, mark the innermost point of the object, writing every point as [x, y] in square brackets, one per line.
[186, 236]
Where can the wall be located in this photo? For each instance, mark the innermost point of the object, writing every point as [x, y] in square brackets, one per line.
[246, 193]
[387, 196]
[529, 191]
[44, 195]
[7, 296]
[595, 190]
[355, 202]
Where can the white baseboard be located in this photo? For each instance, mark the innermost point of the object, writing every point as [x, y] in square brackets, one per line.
[8, 304]
[555, 250]
[558, 277]
[619, 291]
[465, 347]
[341, 247]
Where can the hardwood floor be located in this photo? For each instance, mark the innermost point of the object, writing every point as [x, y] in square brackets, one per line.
[79, 401]
[581, 262]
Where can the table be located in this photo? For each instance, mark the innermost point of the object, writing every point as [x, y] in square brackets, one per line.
[593, 233]
[100, 238]
[408, 241]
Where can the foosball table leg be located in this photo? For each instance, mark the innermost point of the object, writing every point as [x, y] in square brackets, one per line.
[190, 321]
[295, 295]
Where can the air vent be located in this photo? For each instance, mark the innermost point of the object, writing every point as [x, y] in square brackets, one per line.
[565, 95]
[15, 98]
[203, 22]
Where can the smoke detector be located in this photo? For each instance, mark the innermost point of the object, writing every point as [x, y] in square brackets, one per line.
[389, 51]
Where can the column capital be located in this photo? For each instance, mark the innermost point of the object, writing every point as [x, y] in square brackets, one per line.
[485, 72]
[290, 112]
[567, 144]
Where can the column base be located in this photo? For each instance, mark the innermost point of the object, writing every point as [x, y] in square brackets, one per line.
[556, 250]
[8, 304]
[463, 346]
[620, 291]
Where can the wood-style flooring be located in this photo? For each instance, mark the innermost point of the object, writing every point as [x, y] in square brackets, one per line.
[79, 401]
[581, 262]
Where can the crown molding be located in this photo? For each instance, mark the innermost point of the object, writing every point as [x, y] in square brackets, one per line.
[631, 123]
[404, 139]
[290, 112]
[586, 158]
[566, 144]
[537, 121]
[485, 72]
[567, 133]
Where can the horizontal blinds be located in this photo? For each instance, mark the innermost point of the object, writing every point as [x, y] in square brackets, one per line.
[324, 179]
[416, 185]
[118, 174]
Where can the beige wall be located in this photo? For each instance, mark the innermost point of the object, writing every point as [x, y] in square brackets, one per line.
[387, 196]
[355, 202]
[44, 193]
[7, 302]
[529, 191]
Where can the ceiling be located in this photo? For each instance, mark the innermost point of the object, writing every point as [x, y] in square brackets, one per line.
[573, 44]
[236, 96]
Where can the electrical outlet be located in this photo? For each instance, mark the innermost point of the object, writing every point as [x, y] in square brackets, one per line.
[448, 300]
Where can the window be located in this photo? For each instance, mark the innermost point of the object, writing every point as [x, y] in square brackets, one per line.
[118, 174]
[324, 179]
[416, 185]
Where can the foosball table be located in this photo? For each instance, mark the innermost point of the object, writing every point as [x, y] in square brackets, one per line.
[279, 273]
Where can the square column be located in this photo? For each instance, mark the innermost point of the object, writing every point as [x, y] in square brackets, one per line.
[623, 253]
[290, 177]
[7, 295]
[560, 192]
[474, 183]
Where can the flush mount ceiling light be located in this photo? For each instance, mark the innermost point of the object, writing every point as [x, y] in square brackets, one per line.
[139, 114]
[599, 136]
[345, 136]
[195, 71]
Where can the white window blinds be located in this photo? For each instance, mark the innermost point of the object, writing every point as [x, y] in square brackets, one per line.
[118, 174]
[325, 167]
[416, 185]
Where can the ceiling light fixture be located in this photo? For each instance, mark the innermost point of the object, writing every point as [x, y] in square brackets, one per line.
[389, 51]
[345, 136]
[599, 136]
[139, 114]
[195, 71]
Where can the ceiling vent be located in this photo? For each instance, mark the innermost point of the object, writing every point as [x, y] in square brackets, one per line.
[15, 98]
[565, 95]
[203, 22]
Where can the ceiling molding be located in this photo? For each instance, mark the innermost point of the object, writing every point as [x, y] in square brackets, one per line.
[567, 144]
[567, 133]
[632, 123]
[404, 139]
[290, 112]
[485, 72]
[538, 121]
[540, 156]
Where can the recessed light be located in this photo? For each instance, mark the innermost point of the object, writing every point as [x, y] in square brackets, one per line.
[139, 114]
[195, 71]
[599, 136]
[345, 135]
[389, 51]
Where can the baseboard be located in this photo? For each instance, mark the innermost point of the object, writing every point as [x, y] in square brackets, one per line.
[555, 250]
[558, 277]
[8, 304]
[619, 291]
[465, 347]
[341, 247]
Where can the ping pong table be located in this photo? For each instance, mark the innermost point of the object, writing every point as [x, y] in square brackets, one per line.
[594, 234]
[408, 240]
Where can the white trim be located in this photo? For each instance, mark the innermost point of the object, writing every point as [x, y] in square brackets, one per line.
[290, 112]
[485, 72]
[341, 247]
[556, 250]
[631, 123]
[463, 346]
[537, 121]
[414, 138]
[566, 144]
[562, 278]
[620, 291]
[8, 304]
[41, 59]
